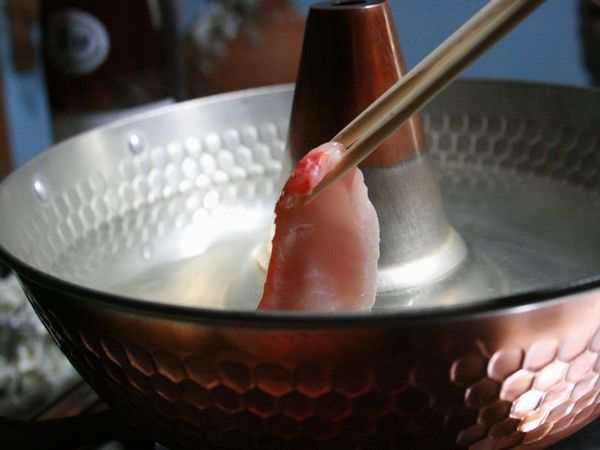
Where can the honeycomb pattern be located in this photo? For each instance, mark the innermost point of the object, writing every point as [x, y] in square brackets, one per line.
[555, 150]
[523, 396]
[231, 399]
[164, 188]
[436, 388]
[184, 181]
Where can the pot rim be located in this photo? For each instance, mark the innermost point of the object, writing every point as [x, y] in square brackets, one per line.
[504, 305]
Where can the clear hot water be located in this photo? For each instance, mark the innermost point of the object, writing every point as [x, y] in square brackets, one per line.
[524, 233]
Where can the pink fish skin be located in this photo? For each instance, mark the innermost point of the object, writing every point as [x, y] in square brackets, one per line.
[325, 253]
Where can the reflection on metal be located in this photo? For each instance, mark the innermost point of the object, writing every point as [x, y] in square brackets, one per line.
[520, 176]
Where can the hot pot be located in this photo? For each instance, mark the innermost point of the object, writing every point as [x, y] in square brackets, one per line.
[136, 244]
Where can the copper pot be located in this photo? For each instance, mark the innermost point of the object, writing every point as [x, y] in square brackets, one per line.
[91, 224]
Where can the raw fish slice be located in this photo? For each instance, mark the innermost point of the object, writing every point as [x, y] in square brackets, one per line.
[325, 253]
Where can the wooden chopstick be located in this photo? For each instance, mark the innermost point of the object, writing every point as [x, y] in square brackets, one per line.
[370, 128]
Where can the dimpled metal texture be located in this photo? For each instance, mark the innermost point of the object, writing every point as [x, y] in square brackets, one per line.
[524, 137]
[555, 150]
[505, 377]
[173, 186]
[462, 385]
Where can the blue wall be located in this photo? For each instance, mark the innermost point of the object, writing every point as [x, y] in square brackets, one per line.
[26, 105]
[544, 48]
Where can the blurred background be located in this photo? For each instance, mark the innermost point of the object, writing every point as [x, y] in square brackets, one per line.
[68, 65]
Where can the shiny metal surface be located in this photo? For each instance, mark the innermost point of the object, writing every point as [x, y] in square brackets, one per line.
[180, 184]
[518, 365]
[419, 245]
[176, 209]
[411, 92]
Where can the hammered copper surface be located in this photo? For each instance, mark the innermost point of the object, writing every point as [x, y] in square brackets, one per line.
[524, 373]
[526, 378]
[349, 48]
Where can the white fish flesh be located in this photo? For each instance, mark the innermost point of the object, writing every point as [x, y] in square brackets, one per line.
[324, 255]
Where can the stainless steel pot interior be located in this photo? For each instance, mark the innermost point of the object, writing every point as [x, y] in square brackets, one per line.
[175, 206]
[105, 232]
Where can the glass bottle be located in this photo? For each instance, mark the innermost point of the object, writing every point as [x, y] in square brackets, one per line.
[106, 59]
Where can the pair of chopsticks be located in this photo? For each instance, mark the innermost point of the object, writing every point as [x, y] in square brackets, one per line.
[413, 91]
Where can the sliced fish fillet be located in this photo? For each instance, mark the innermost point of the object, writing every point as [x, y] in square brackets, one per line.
[324, 255]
